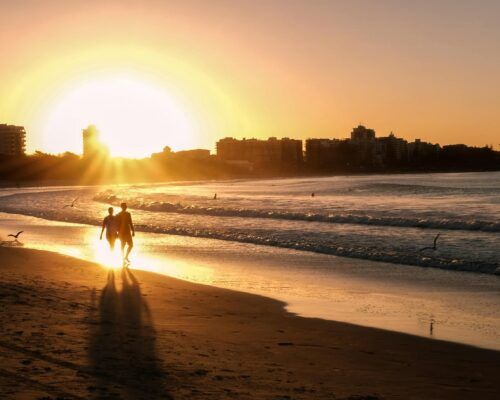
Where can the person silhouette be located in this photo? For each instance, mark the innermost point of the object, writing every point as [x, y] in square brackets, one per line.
[126, 231]
[109, 223]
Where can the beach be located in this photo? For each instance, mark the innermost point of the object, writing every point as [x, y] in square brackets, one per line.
[74, 329]
[462, 307]
[249, 200]
[264, 293]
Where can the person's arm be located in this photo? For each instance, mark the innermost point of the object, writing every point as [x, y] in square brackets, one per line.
[103, 226]
[132, 225]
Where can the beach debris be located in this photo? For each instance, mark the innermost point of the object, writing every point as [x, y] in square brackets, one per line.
[433, 247]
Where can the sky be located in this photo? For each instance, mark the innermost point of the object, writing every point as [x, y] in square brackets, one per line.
[183, 74]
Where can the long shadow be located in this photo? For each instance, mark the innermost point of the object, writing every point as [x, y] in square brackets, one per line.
[122, 349]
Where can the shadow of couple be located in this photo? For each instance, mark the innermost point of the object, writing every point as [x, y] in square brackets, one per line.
[122, 348]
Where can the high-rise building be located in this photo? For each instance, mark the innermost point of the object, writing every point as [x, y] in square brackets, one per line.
[92, 145]
[362, 134]
[321, 152]
[392, 149]
[12, 140]
[419, 151]
[261, 152]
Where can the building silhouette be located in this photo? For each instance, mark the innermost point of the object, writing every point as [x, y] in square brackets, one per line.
[362, 134]
[12, 140]
[194, 154]
[365, 151]
[422, 152]
[327, 153]
[391, 150]
[268, 152]
[92, 145]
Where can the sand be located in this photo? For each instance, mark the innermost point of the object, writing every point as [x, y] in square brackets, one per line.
[71, 329]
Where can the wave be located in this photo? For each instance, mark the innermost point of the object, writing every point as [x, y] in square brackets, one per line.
[404, 222]
[416, 189]
[399, 247]
[338, 247]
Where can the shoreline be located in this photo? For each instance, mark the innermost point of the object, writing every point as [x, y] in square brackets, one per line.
[491, 269]
[70, 184]
[386, 296]
[64, 317]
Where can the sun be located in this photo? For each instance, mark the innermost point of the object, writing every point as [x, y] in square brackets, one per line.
[136, 117]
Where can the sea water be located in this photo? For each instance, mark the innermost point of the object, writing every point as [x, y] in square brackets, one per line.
[352, 252]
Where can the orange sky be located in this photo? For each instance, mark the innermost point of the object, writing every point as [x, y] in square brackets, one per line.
[258, 68]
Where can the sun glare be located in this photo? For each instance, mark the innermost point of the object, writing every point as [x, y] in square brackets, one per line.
[135, 117]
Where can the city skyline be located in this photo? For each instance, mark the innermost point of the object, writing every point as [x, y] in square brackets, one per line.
[199, 71]
[90, 137]
[362, 152]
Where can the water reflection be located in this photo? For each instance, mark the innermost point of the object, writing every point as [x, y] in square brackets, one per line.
[462, 306]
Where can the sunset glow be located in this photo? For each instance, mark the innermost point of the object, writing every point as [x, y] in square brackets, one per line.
[250, 69]
[249, 199]
[136, 118]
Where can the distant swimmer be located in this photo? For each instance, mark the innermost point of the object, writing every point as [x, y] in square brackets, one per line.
[312, 194]
[126, 231]
[109, 223]
[215, 196]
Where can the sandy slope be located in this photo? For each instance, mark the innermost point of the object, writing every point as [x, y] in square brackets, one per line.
[72, 329]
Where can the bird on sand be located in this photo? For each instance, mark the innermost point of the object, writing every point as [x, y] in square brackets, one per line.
[16, 236]
[434, 247]
[72, 205]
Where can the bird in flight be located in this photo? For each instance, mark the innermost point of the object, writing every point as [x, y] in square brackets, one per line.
[16, 236]
[434, 247]
[72, 205]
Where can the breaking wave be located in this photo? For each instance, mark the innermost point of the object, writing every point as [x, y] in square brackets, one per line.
[404, 222]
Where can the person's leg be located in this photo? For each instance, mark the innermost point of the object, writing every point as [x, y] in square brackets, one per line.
[112, 240]
[130, 245]
[122, 242]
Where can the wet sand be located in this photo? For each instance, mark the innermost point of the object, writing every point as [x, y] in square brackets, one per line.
[73, 329]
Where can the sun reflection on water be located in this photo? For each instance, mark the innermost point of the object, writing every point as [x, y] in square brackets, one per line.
[101, 252]
[150, 252]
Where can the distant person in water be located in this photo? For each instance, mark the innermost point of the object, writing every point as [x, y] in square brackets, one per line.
[126, 231]
[109, 223]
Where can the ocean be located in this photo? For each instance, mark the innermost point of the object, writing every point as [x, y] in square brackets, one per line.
[387, 218]
[359, 250]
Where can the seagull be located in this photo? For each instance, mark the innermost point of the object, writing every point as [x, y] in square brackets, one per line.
[434, 247]
[16, 235]
[72, 205]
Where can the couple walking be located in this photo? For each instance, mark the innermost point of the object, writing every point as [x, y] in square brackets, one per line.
[121, 227]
